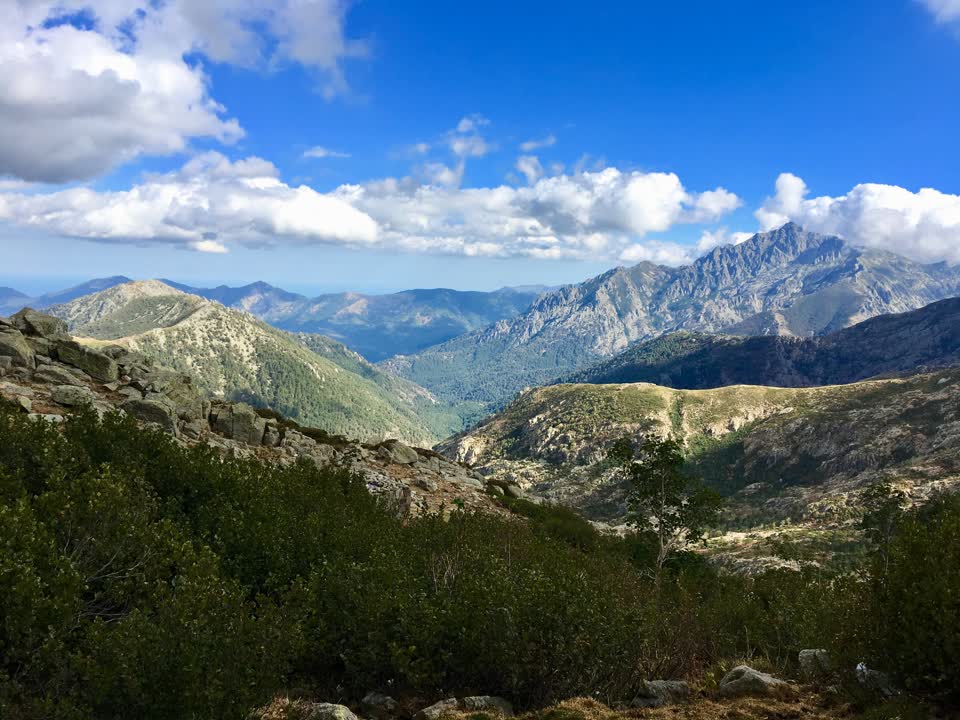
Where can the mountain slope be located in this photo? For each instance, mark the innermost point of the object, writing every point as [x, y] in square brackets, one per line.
[785, 282]
[376, 326]
[907, 342]
[777, 453]
[234, 355]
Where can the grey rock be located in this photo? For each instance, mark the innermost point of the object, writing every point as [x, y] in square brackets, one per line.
[875, 681]
[180, 390]
[427, 483]
[744, 681]
[240, 422]
[71, 395]
[464, 481]
[130, 392]
[513, 491]
[379, 705]
[6, 362]
[195, 428]
[112, 386]
[151, 410]
[488, 703]
[657, 693]
[326, 711]
[15, 346]
[56, 375]
[815, 663]
[438, 710]
[94, 363]
[495, 489]
[31, 322]
[25, 403]
[271, 434]
[42, 348]
[396, 452]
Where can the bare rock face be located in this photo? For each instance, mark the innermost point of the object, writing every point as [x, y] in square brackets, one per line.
[239, 422]
[396, 452]
[155, 411]
[15, 346]
[71, 395]
[95, 364]
[31, 322]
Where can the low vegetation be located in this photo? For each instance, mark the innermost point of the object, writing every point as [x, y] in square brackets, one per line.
[142, 579]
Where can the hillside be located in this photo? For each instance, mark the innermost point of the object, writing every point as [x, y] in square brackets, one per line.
[784, 282]
[908, 342]
[779, 454]
[231, 354]
[376, 326]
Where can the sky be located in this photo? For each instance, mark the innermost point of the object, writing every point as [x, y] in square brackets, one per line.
[326, 145]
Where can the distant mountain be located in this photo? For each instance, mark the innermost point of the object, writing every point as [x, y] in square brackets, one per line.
[15, 301]
[784, 282]
[376, 326]
[311, 379]
[779, 454]
[905, 343]
[11, 300]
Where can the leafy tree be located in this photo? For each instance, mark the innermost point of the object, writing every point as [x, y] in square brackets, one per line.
[664, 500]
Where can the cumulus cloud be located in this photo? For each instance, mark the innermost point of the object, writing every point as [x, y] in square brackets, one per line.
[534, 144]
[923, 225]
[320, 152]
[82, 98]
[212, 203]
[596, 215]
[207, 205]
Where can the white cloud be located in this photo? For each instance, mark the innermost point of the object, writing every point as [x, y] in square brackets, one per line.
[596, 215]
[923, 225]
[208, 205]
[945, 11]
[322, 152]
[77, 102]
[212, 204]
[530, 167]
[531, 145]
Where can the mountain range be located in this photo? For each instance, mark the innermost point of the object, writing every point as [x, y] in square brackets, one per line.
[376, 326]
[784, 282]
[13, 300]
[309, 378]
[888, 344]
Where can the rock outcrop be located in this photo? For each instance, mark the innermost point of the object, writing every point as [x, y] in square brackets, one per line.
[110, 378]
[744, 681]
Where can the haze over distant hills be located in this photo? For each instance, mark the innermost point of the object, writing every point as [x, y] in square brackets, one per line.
[309, 378]
[784, 282]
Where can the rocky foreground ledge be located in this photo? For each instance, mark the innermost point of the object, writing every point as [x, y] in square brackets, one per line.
[46, 372]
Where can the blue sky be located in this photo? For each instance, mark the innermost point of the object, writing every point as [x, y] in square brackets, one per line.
[651, 132]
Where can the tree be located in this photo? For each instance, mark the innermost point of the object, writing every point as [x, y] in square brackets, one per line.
[663, 499]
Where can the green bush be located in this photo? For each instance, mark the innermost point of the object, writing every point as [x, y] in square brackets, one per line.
[142, 579]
